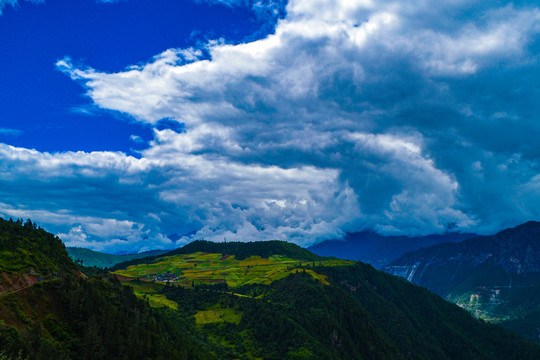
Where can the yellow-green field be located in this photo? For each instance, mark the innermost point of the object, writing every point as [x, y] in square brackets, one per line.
[148, 291]
[203, 268]
[217, 314]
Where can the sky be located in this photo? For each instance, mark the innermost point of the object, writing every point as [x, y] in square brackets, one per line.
[144, 124]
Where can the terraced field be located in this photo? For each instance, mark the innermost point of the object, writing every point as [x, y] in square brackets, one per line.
[150, 291]
[203, 268]
[218, 314]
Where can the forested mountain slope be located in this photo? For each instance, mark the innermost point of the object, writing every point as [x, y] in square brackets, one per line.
[29, 254]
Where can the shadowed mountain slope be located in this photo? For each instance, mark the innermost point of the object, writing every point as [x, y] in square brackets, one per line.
[378, 250]
[496, 278]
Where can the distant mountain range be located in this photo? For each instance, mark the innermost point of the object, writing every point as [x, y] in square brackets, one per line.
[378, 250]
[496, 278]
[91, 258]
[270, 300]
[369, 247]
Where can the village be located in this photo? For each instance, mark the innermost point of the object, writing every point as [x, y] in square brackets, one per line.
[166, 277]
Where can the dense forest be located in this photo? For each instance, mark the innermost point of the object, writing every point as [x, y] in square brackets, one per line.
[379, 317]
[74, 318]
[24, 246]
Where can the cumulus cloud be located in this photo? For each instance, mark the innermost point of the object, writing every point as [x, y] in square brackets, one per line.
[394, 116]
[94, 197]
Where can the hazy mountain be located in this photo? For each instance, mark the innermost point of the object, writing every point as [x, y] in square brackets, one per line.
[104, 260]
[378, 250]
[496, 278]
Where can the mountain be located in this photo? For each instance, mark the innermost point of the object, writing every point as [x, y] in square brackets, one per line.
[92, 258]
[241, 250]
[496, 278]
[266, 300]
[49, 310]
[29, 254]
[378, 250]
[275, 306]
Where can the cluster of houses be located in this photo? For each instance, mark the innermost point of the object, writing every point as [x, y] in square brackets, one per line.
[166, 277]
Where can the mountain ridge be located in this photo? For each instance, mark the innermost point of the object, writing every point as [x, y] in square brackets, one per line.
[495, 277]
[243, 250]
[379, 250]
[240, 250]
[90, 258]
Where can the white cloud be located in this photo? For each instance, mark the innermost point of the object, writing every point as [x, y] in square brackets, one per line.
[353, 115]
[87, 231]
[136, 139]
[94, 196]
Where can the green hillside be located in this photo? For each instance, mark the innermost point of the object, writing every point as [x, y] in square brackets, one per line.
[27, 249]
[243, 250]
[217, 268]
[29, 254]
[240, 250]
[92, 258]
[74, 318]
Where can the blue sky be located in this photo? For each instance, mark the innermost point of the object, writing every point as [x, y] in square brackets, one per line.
[45, 110]
[124, 122]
